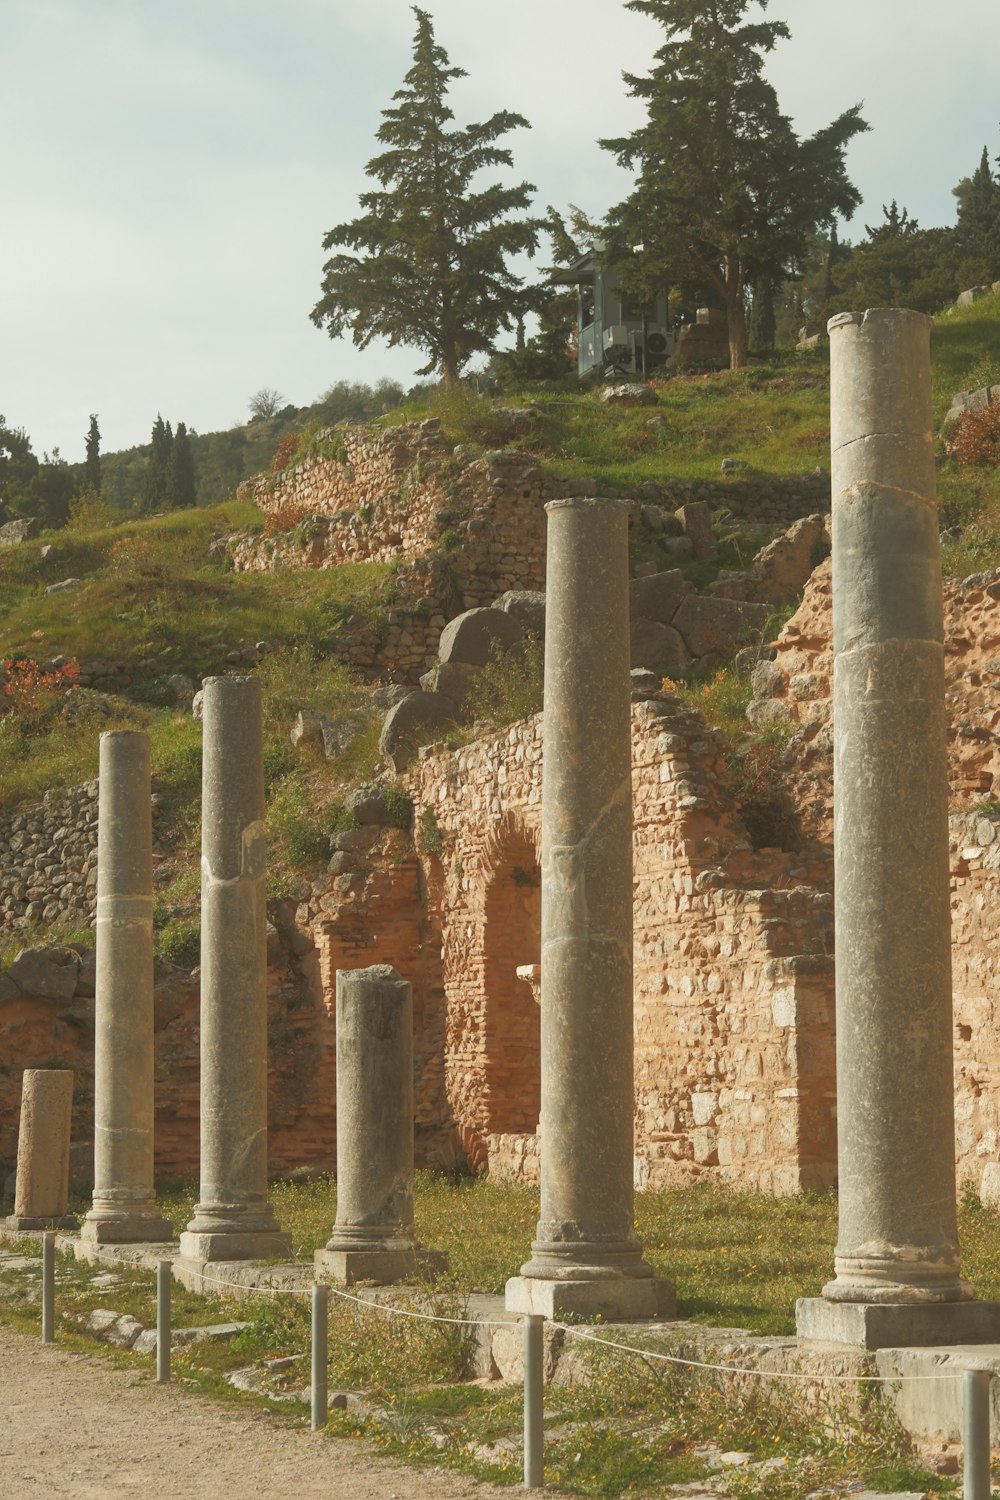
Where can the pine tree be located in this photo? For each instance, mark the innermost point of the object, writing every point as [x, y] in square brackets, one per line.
[726, 195]
[158, 473]
[181, 483]
[92, 464]
[431, 249]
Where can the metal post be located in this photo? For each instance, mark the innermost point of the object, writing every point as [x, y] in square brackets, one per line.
[534, 1403]
[48, 1287]
[976, 1435]
[164, 1273]
[320, 1305]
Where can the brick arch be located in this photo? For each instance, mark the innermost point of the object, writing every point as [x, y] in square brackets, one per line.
[511, 937]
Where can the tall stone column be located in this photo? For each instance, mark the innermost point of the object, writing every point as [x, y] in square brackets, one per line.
[124, 1206]
[373, 1238]
[41, 1190]
[233, 1219]
[585, 1257]
[897, 1266]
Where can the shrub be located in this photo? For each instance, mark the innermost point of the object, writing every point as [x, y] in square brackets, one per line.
[28, 696]
[284, 517]
[179, 942]
[431, 837]
[399, 804]
[975, 438]
[294, 828]
[510, 685]
[131, 556]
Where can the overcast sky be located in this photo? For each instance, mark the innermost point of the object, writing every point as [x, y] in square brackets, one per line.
[170, 168]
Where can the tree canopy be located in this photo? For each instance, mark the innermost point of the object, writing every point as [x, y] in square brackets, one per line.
[727, 196]
[92, 465]
[427, 262]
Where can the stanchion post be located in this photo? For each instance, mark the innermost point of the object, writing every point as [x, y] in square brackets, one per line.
[320, 1305]
[164, 1274]
[48, 1287]
[976, 1435]
[534, 1402]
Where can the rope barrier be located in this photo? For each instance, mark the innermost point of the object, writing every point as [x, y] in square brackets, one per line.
[369, 1302]
[695, 1364]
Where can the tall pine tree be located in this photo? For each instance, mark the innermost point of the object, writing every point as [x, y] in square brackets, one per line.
[431, 250]
[92, 463]
[727, 195]
[977, 233]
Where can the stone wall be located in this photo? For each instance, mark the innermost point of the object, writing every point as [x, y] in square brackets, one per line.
[734, 1033]
[48, 859]
[795, 689]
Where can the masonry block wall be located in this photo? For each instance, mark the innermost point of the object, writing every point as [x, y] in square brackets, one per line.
[726, 1073]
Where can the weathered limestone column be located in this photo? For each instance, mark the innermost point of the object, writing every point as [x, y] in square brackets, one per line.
[372, 1238]
[585, 1257]
[897, 1266]
[233, 1219]
[124, 1206]
[41, 1194]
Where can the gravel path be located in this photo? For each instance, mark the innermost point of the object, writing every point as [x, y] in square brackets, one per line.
[74, 1425]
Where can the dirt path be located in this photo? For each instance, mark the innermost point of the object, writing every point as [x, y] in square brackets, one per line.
[74, 1425]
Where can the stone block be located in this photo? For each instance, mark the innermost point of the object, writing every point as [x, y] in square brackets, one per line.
[696, 518]
[471, 636]
[380, 1267]
[657, 648]
[42, 1183]
[528, 608]
[453, 679]
[657, 596]
[48, 972]
[718, 626]
[881, 1325]
[617, 1297]
[418, 720]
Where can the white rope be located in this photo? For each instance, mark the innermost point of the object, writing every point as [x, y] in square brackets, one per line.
[695, 1364]
[370, 1303]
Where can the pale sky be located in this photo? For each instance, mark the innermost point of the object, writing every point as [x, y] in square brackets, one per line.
[170, 168]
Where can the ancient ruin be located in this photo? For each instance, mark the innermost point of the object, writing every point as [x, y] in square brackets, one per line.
[233, 1219]
[41, 1195]
[124, 1204]
[373, 1237]
[585, 1257]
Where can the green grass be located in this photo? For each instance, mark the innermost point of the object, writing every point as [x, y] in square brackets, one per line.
[631, 1425]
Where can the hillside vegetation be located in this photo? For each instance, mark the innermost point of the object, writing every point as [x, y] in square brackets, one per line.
[158, 604]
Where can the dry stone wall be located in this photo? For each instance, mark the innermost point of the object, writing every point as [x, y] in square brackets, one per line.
[48, 860]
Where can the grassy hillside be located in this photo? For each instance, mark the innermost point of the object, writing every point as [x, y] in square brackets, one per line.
[157, 599]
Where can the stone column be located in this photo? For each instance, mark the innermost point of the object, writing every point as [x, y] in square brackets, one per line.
[897, 1268]
[585, 1257]
[233, 1219]
[124, 1206]
[372, 1238]
[41, 1193]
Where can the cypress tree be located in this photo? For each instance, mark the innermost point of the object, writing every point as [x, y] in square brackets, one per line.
[181, 490]
[158, 473]
[92, 464]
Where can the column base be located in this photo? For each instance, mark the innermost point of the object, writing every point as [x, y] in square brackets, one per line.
[28, 1222]
[131, 1229]
[383, 1267]
[613, 1297]
[896, 1325]
[235, 1244]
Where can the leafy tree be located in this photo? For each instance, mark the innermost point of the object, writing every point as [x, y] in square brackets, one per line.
[265, 403]
[92, 465]
[29, 486]
[898, 265]
[727, 195]
[181, 481]
[158, 472]
[429, 267]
